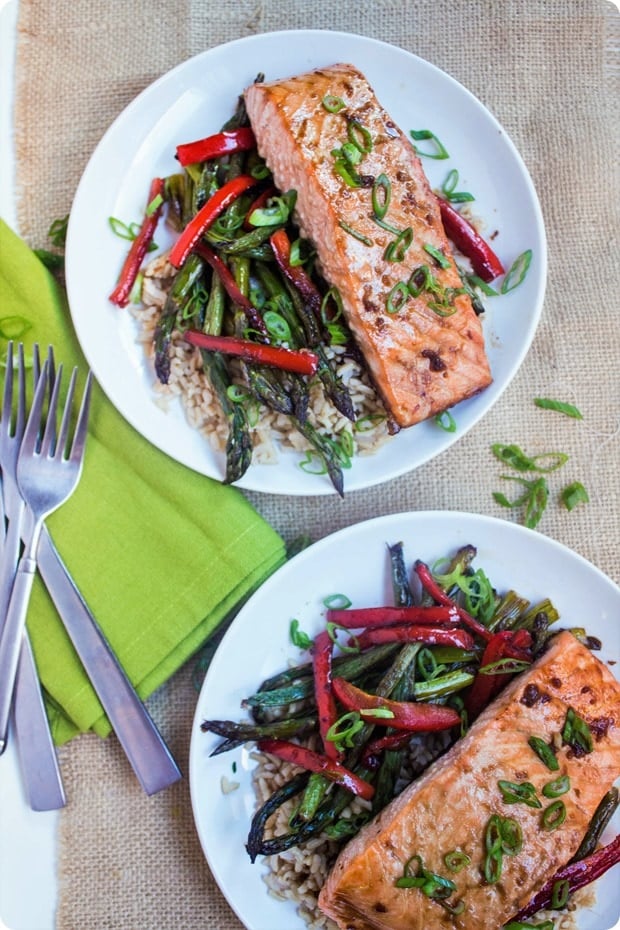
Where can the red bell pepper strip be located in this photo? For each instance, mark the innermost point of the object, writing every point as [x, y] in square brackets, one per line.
[404, 715]
[374, 617]
[402, 633]
[139, 246]
[258, 204]
[296, 274]
[207, 215]
[315, 762]
[220, 143]
[578, 874]
[468, 240]
[373, 749]
[326, 705]
[506, 644]
[230, 286]
[438, 594]
[302, 361]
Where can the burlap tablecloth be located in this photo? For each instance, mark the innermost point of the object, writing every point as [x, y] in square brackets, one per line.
[546, 69]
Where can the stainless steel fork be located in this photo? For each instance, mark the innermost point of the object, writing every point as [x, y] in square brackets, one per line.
[46, 476]
[37, 755]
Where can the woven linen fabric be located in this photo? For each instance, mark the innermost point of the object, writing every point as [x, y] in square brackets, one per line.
[547, 71]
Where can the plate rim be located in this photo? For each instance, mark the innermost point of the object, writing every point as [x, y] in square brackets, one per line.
[369, 525]
[392, 466]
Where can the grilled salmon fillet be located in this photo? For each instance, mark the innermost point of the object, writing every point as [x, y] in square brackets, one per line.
[425, 352]
[449, 807]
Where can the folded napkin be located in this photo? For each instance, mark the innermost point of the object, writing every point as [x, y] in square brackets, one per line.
[160, 553]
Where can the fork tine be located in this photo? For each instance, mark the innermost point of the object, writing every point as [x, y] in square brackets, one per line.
[66, 417]
[31, 433]
[7, 395]
[81, 428]
[48, 442]
[20, 416]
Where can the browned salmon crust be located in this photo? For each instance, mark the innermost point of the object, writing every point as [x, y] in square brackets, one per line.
[422, 361]
[449, 806]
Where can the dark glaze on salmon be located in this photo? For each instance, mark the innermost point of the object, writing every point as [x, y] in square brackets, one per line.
[449, 806]
[422, 361]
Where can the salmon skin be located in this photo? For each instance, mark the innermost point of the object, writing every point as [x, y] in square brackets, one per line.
[449, 806]
[425, 353]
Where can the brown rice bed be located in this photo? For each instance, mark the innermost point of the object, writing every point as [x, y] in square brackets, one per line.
[298, 874]
[273, 432]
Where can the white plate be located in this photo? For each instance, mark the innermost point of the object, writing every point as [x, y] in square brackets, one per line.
[195, 99]
[354, 561]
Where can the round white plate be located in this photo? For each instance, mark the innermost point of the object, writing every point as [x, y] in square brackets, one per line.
[195, 99]
[354, 561]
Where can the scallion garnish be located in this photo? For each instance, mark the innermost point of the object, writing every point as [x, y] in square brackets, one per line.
[277, 327]
[516, 458]
[57, 233]
[554, 815]
[504, 667]
[236, 393]
[354, 232]
[127, 231]
[448, 189]
[576, 733]
[438, 255]
[569, 409]
[544, 752]
[560, 894]
[438, 151]
[534, 499]
[397, 297]
[341, 732]
[446, 421]
[502, 835]
[337, 602]
[368, 422]
[456, 860]
[359, 136]
[260, 171]
[420, 280]
[557, 787]
[298, 637]
[517, 272]
[396, 250]
[332, 632]
[518, 793]
[332, 103]
[574, 494]
[426, 664]
[276, 212]
[381, 195]
[313, 463]
[154, 205]
[380, 713]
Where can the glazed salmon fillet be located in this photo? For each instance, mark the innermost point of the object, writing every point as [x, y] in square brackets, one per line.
[449, 807]
[425, 353]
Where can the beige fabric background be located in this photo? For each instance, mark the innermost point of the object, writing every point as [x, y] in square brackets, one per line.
[548, 70]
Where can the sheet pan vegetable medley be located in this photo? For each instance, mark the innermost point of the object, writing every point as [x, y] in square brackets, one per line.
[380, 679]
[247, 289]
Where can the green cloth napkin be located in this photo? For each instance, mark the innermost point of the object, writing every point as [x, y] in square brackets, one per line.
[160, 553]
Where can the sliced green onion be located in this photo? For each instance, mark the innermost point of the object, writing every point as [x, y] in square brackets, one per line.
[438, 255]
[120, 229]
[534, 498]
[504, 667]
[154, 205]
[341, 732]
[338, 335]
[576, 732]
[301, 252]
[381, 195]
[332, 630]
[446, 421]
[387, 226]
[276, 212]
[557, 787]
[343, 168]
[456, 860]
[353, 232]
[57, 233]
[298, 637]
[426, 664]
[448, 189]
[337, 602]
[438, 150]
[368, 422]
[396, 250]
[493, 866]
[277, 326]
[574, 494]
[421, 279]
[516, 272]
[560, 893]
[516, 458]
[512, 836]
[359, 136]
[486, 289]
[332, 103]
[518, 793]
[569, 409]
[236, 393]
[554, 815]
[313, 463]
[544, 752]
[380, 713]
[260, 171]
[397, 298]
[14, 326]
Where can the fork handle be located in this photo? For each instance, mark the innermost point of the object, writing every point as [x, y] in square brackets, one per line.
[11, 640]
[35, 748]
[144, 746]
